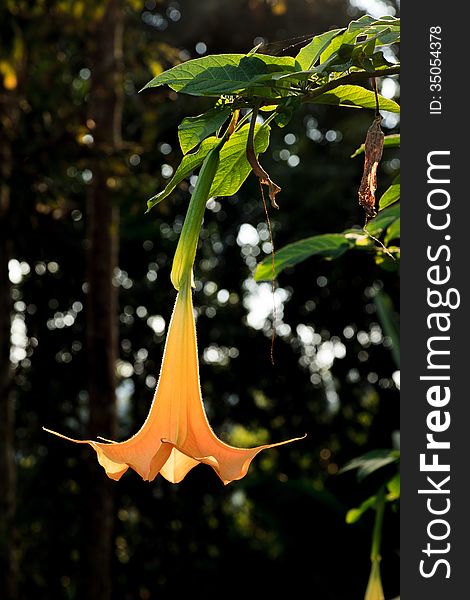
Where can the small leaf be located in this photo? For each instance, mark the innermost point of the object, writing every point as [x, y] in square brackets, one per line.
[379, 61]
[393, 232]
[393, 487]
[334, 64]
[354, 514]
[371, 461]
[189, 163]
[366, 24]
[222, 74]
[255, 49]
[390, 141]
[193, 130]
[332, 48]
[356, 97]
[310, 53]
[388, 37]
[383, 220]
[391, 195]
[389, 322]
[286, 110]
[330, 246]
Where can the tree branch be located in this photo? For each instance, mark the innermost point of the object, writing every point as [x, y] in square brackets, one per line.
[351, 78]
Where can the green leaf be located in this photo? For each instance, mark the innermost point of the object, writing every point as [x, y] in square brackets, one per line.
[330, 246]
[189, 163]
[371, 461]
[192, 130]
[389, 321]
[310, 53]
[383, 220]
[380, 62]
[393, 487]
[286, 110]
[336, 63]
[369, 25]
[391, 195]
[234, 167]
[361, 23]
[354, 514]
[355, 96]
[221, 74]
[390, 141]
[393, 232]
[380, 32]
[388, 37]
[332, 48]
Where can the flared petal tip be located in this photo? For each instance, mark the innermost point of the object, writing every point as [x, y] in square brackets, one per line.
[229, 463]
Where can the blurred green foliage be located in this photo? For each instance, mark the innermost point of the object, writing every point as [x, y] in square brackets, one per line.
[282, 529]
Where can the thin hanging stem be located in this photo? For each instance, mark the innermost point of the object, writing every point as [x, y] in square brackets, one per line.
[377, 105]
[273, 268]
[383, 246]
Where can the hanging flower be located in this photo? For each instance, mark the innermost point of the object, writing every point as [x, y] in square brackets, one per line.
[176, 435]
[374, 589]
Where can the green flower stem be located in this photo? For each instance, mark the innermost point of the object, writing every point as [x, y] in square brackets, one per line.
[379, 517]
[186, 250]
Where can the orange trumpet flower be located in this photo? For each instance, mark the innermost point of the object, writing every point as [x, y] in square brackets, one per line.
[176, 435]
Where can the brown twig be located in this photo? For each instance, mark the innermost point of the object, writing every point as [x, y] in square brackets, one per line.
[258, 170]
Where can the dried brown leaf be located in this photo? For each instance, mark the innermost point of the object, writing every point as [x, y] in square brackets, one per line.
[373, 150]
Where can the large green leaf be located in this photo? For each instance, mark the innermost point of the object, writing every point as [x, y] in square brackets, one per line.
[329, 245]
[193, 130]
[221, 74]
[310, 53]
[234, 167]
[390, 141]
[391, 194]
[356, 97]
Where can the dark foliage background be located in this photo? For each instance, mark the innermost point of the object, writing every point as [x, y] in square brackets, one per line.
[282, 529]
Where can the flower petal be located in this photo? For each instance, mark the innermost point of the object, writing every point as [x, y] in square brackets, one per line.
[229, 462]
[176, 436]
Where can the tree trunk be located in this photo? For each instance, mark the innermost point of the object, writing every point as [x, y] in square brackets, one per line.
[105, 112]
[8, 566]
